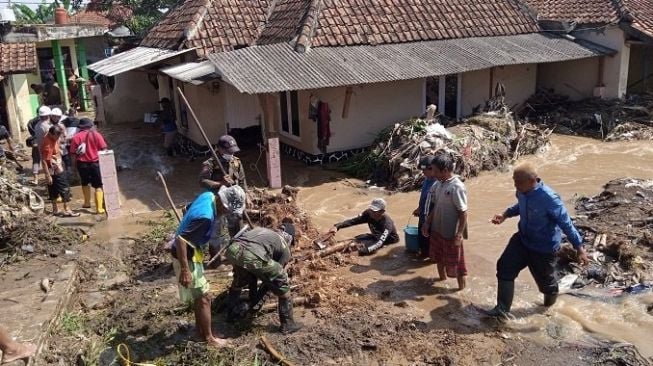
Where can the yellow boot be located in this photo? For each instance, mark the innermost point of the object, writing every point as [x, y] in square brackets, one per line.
[86, 191]
[99, 201]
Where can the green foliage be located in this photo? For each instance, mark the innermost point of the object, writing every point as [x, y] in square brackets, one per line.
[44, 12]
[146, 13]
[94, 349]
[160, 229]
[71, 323]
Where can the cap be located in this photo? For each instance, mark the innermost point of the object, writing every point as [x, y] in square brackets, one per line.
[164, 100]
[425, 162]
[85, 123]
[288, 232]
[56, 112]
[377, 204]
[44, 111]
[228, 144]
[233, 199]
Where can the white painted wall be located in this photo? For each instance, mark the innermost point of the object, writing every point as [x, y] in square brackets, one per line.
[19, 110]
[132, 97]
[372, 108]
[576, 79]
[241, 110]
[615, 74]
[209, 109]
[519, 81]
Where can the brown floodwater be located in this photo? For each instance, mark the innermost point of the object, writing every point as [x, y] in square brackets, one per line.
[574, 167]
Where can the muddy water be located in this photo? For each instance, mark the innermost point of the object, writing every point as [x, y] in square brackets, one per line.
[573, 166]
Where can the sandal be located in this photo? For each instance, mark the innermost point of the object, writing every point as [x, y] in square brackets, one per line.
[70, 214]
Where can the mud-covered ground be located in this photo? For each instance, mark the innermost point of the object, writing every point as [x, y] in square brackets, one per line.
[127, 295]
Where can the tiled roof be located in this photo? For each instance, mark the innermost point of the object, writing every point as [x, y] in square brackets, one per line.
[641, 12]
[91, 17]
[17, 58]
[581, 11]
[209, 25]
[353, 22]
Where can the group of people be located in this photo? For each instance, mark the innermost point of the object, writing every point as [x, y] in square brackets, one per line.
[442, 212]
[215, 220]
[58, 144]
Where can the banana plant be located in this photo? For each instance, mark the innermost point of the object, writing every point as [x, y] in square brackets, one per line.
[43, 13]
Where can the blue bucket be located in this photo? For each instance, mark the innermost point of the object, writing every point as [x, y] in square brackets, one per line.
[411, 238]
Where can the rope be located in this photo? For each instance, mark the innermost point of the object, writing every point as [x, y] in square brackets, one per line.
[126, 359]
[254, 166]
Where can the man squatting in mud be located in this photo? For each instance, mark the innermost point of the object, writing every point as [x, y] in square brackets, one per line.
[212, 178]
[542, 217]
[381, 226]
[191, 237]
[262, 254]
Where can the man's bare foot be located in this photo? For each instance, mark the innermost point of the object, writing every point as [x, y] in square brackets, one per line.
[462, 282]
[22, 351]
[217, 342]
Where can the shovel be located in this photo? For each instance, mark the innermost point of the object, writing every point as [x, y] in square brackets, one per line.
[321, 240]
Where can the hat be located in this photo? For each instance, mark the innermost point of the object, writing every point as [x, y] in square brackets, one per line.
[288, 232]
[377, 204]
[228, 144]
[85, 123]
[56, 112]
[425, 162]
[233, 199]
[44, 111]
[164, 100]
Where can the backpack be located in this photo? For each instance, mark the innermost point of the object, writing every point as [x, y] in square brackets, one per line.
[81, 149]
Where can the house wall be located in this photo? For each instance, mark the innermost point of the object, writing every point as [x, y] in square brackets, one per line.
[132, 97]
[18, 106]
[372, 108]
[241, 110]
[640, 69]
[615, 73]
[95, 48]
[519, 82]
[209, 109]
[576, 79]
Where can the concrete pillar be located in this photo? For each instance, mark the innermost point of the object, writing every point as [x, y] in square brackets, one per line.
[83, 72]
[60, 72]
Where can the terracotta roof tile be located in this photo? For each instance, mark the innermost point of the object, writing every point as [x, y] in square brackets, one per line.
[642, 14]
[581, 11]
[209, 25]
[17, 58]
[95, 16]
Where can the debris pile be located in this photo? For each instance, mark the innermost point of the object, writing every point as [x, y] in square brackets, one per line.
[487, 141]
[618, 227]
[613, 119]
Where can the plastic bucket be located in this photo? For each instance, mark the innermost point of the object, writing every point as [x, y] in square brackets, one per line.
[411, 238]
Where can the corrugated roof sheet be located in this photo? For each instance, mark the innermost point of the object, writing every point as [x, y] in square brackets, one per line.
[196, 73]
[132, 59]
[17, 58]
[276, 67]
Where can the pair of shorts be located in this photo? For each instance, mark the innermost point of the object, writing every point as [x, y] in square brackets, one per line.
[199, 285]
[445, 252]
[89, 173]
[59, 188]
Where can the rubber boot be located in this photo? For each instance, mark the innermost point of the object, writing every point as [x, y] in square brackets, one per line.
[288, 323]
[99, 201]
[231, 304]
[86, 191]
[505, 293]
[550, 299]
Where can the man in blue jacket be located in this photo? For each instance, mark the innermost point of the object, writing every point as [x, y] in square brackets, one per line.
[542, 218]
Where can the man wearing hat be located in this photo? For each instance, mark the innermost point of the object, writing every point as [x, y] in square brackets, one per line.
[38, 129]
[212, 178]
[187, 248]
[423, 208]
[85, 146]
[382, 228]
[168, 125]
[262, 254]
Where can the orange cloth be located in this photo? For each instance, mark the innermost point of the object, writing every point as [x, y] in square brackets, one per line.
[51, 151]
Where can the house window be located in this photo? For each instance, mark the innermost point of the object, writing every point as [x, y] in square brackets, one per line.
[445, 92]
[289, 108]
